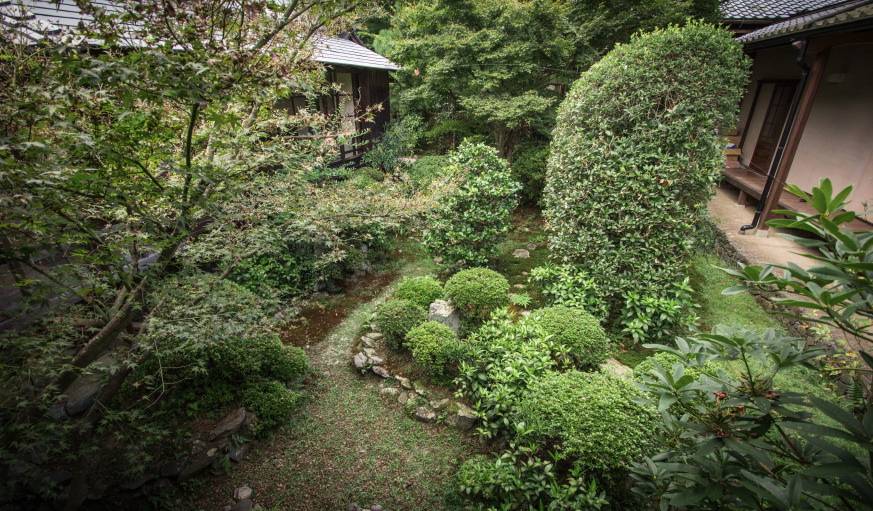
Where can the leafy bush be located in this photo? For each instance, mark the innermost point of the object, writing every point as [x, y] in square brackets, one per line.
[398, 141]
[465, 229]
[372, 173]
[477, 292]
[500, 360]
[652, 318]
[419, 290]
[570, 286]
[426, 169]
[434, 347]
[288, 365]
[271, 402]
[515, 480]
[397, 317]
[635, 157]
[529, 169]
[576, 331]
[592, 419]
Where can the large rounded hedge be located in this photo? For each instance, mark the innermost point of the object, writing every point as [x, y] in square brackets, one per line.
[434, 347]
[396, 317]
[477, 292]
[420, 290]
[576, 331]
[592, 419]
[471, 220]
[635, 155]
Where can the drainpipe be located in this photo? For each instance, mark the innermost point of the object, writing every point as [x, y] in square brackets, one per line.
[800, 46]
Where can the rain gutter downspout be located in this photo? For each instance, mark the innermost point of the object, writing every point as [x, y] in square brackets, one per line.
[801, 46]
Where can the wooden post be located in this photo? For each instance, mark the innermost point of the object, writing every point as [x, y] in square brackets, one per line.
[795, 132]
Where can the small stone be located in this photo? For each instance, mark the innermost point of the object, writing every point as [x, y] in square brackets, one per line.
[237, 454]
[404, 382]
[403, 397]
[370, 352]
[353, 507]
[616, 368]
[376, 336]
[465, 418]
[444, 312]
[381, 371]
[242, 493]
[368, 343]
[525, 273]
[532, 246]
[360, 360]
[519, 286]
[420, 390]
[375, 507]
[425, 414]
[244, 505]
[442, 404]
[438, 260]
[231, 423]
[390, 392]
[521, 253]
[377, 361]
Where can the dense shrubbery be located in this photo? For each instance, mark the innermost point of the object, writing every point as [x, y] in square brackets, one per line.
[434, 346]
[271, 402]
[466, 227]
[592, 420]
[398, 141]
[658, 318]
[419, 290]
[477, 292]
[576, 331]
[529, 169]
[397, 317]
[635, 157]
[426, 169]
[570, 286]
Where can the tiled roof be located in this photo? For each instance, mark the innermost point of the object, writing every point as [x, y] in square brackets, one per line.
[333, 50]
[34, 20]
[845, 12]
[771, 9]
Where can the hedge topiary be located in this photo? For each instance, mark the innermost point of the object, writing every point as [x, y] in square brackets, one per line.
[591, 419]
[635, 155]
[434, 346]
[397, 317]
[419, 290]
[577, 331]
[271, 402]
[477, 292]
[467, 226]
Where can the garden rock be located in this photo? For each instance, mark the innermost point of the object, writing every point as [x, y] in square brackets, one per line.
[521, 253]
[375, 507]
[368, 342]
[244, 505]
[242, 493]
[465, 418]
[381, 371]
[237, 454]
[403, 397]
[616, 368]
[376, 360]
[231, 423]
[370, 352]
[442, 404]
[425, 414]
[360, 360]
[404, 382]
[390, 392]
[376, 336]
[81, 393]
[444, 312]
[532, 246]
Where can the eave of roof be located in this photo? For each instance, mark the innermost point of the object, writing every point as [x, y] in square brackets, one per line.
[845, 13]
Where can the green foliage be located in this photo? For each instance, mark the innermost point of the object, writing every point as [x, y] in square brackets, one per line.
[397, 317]
[515, 480]
[501, 359]
[635, 158]
[434, 346]
[426, 169]
[477, 292]
[287, 365]
[397, 142]
[576, 331]
[421, 291]
[272, 403]
[529, 168]
[372, 173]
[592, 419]
[570, 286]
[469, 223]
[653, 318]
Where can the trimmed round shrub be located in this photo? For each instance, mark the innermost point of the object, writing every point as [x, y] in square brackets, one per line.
[576, 331]
[635, 156]
[397, 317]
[434, 347]
[271, 402]
[471, 220]
[419, 290]
[592, 419]
[477, 292]
[289, 364]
